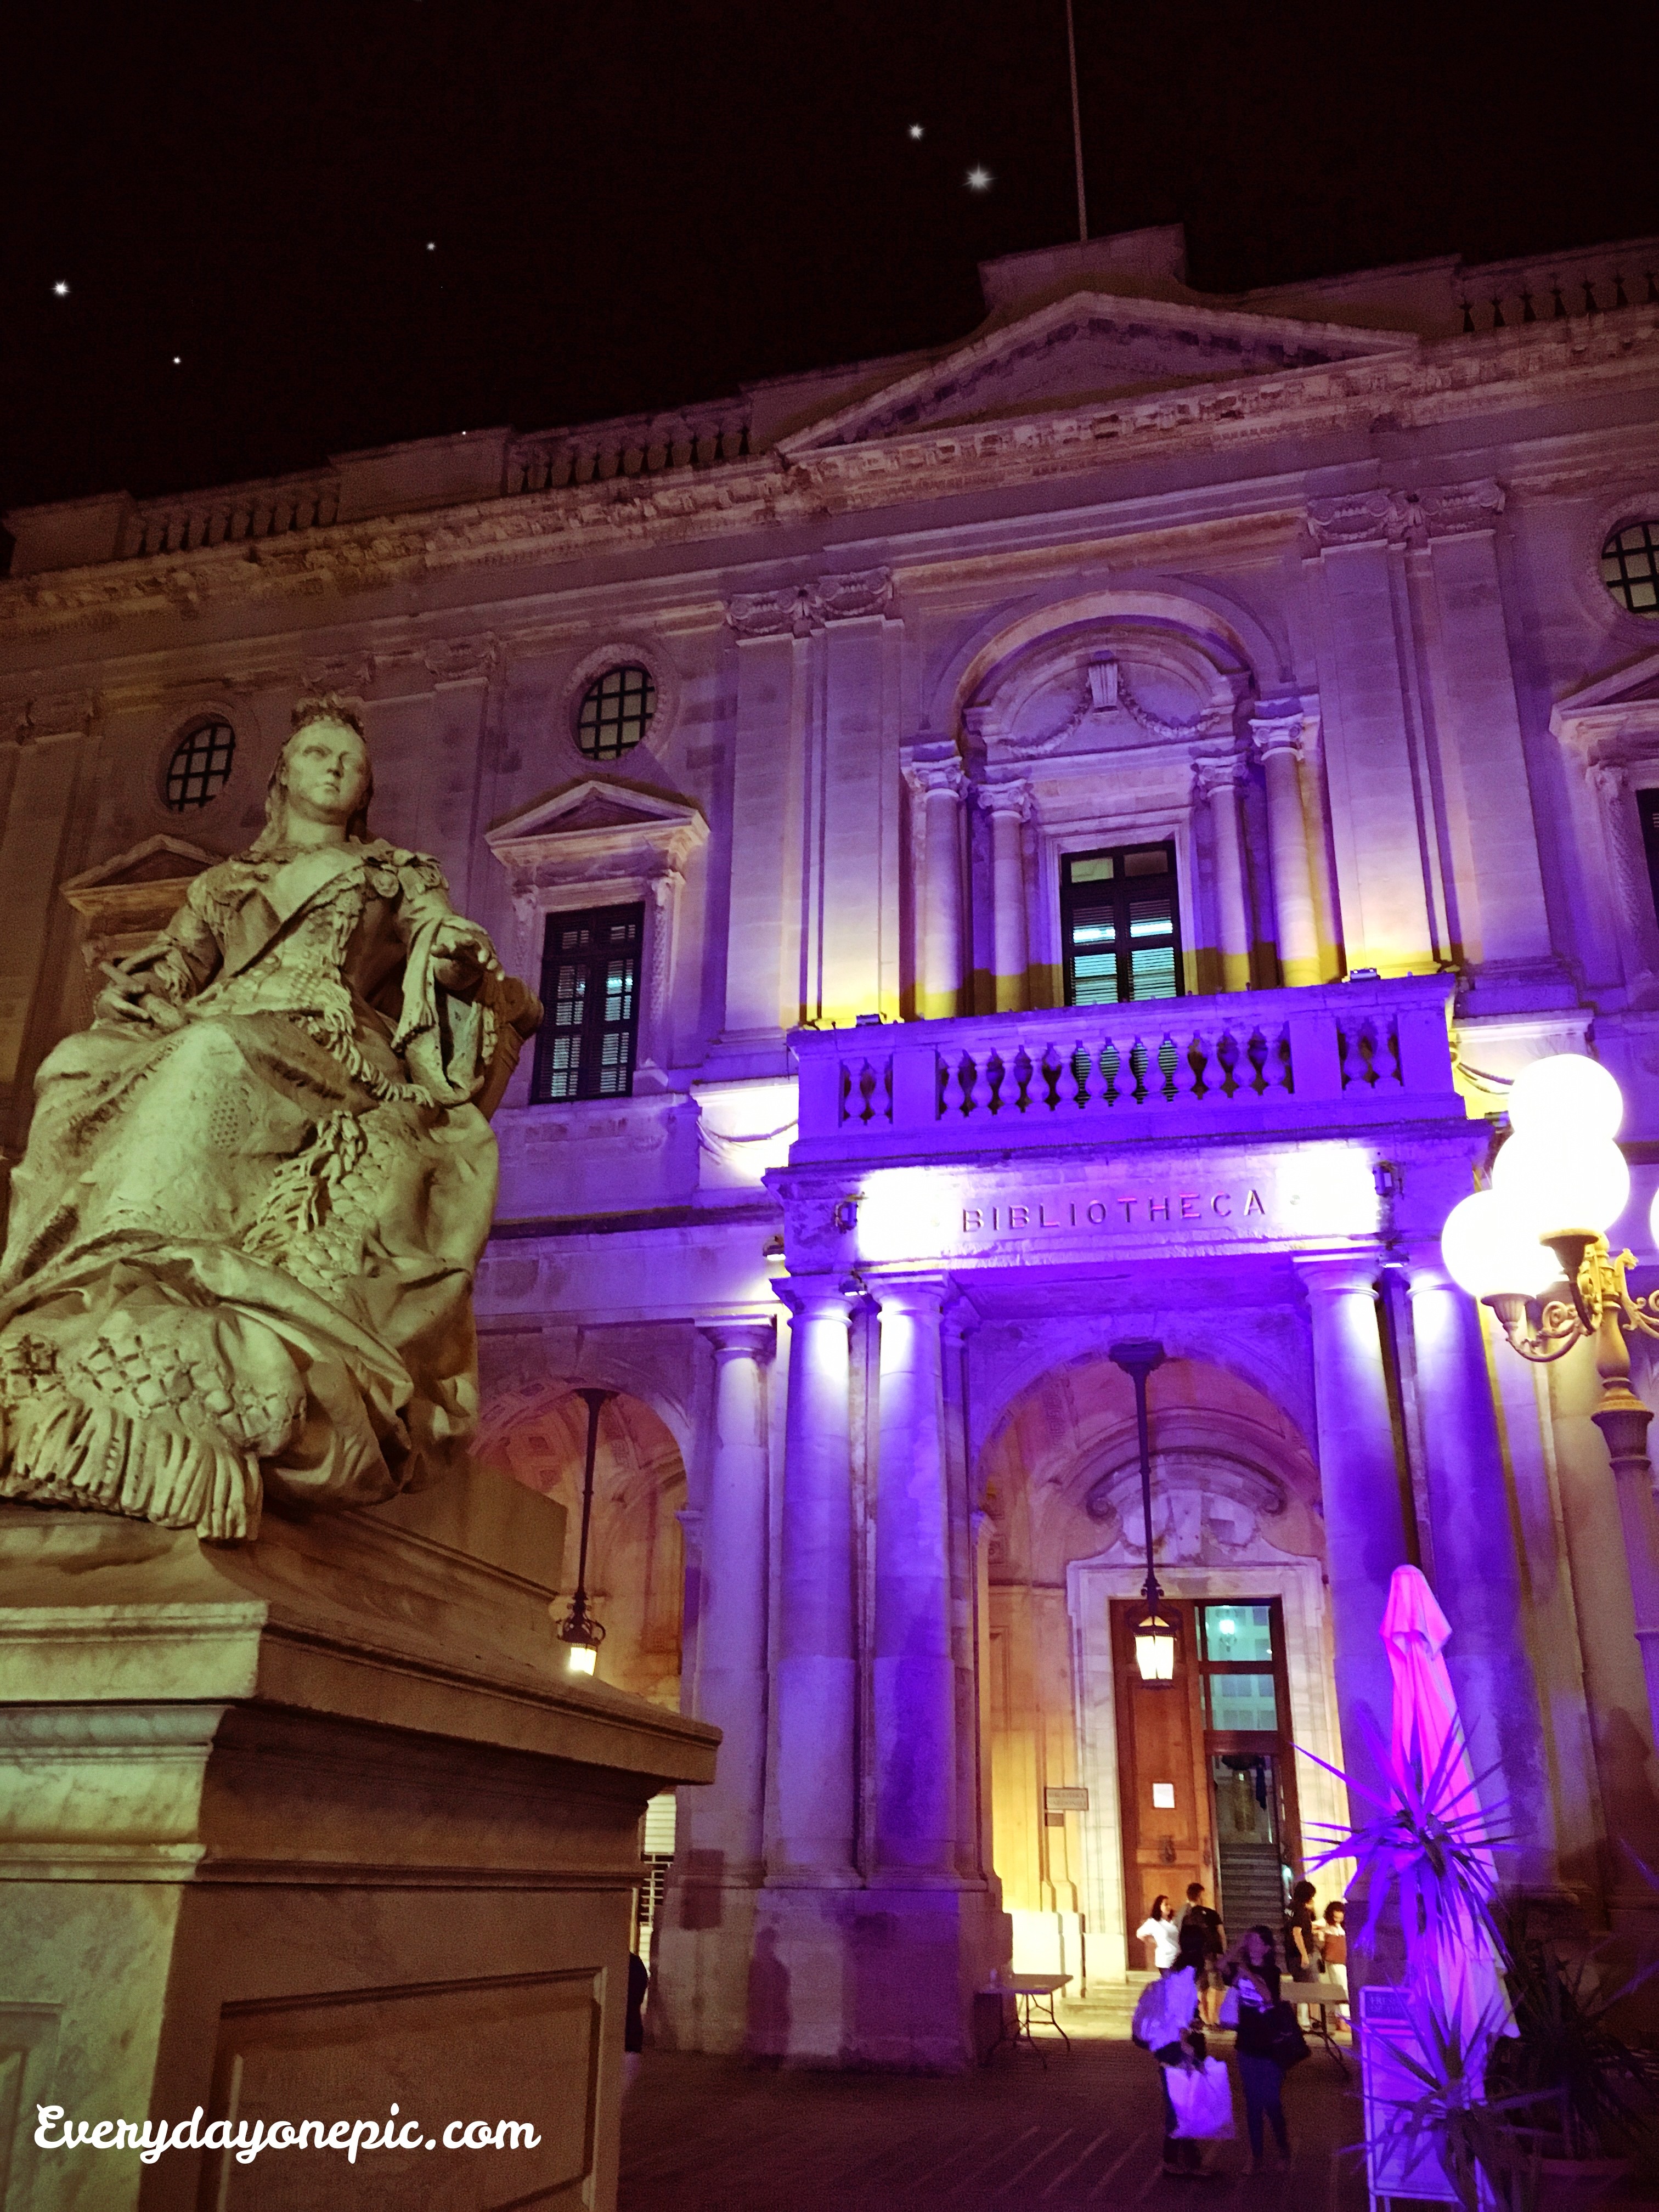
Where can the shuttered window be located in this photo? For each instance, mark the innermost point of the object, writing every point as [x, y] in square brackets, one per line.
[1121, 925]
[586, 1046]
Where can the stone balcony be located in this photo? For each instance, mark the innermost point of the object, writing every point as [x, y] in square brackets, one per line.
[1259, 1065]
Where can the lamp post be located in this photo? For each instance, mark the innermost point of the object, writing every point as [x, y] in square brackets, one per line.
[579, 1631]
[1534, 1248]
[1155, 1643]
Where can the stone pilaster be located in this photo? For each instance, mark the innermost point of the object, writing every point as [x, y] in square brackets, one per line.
[1383, 858]
[812, 1829]
[703, 1941]
[1278, 742]
[1008, 805]
[1217, 780]
[913, 1662]
[939, 787]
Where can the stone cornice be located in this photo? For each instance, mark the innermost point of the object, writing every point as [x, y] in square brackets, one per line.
[1469, 378]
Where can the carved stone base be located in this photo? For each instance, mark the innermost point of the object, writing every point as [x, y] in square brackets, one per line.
[302, 1829]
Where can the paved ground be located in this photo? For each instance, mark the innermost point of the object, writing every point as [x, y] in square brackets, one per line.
[1086, 2130]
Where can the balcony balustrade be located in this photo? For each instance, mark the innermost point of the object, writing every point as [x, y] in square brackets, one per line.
[1262, 1063]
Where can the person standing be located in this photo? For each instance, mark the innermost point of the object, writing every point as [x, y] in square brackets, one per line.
[1203, 1940]
[639, 1988]
[1160, 1929]
[1333, 1947]
[1259, 2025]
[1301, 1944]
[1164, 2025]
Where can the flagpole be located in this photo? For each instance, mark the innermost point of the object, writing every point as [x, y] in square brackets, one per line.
[1076, 130]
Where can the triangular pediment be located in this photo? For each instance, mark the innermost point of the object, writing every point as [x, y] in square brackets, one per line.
[594, 805]
[1084, 349]
[1628, 700]
[594, 819]
[158, 860]
[124, 900]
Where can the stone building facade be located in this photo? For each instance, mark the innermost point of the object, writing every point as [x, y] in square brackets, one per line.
[1056, 839]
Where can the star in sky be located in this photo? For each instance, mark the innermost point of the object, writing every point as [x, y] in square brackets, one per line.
[62, 290]
[979, 179]
[915, 129]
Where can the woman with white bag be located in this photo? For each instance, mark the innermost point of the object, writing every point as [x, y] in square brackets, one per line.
[1198, 2106]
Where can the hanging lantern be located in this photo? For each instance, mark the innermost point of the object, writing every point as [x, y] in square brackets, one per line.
[580, 1633]
[1155, 1640]
[1155, 1646]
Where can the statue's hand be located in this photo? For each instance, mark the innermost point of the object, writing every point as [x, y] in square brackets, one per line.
[128, 998]
[462, 953]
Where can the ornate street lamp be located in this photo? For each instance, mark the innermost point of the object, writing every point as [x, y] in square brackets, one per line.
[579, 1631]
[1534, 1249]
[1155, 1640]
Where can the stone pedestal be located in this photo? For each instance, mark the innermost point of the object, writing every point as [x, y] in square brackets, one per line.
[302, 1831]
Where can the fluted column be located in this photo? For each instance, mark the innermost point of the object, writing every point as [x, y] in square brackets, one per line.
[939, 787]
[1007, 804]
[1278, 748]
[914, 1682]
[1218, 782]
[813, 1821]
[1636, 928]
[1477, 1573]
[1361, 1484]
[731, 1688]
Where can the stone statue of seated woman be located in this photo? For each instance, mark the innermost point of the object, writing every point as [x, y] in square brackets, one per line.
[243, 1236]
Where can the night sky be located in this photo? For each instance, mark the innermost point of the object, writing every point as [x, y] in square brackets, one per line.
[637, 204]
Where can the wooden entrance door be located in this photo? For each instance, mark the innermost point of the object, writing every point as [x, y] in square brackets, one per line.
[1163, 1781]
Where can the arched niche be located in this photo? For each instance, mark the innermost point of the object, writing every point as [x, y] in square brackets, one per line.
[636, 1551]
[1211, 629]
[1235, 1517]
[1062, 1461]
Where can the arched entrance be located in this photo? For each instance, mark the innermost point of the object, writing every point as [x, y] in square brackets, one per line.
[636, 1549]
[1105, 1790]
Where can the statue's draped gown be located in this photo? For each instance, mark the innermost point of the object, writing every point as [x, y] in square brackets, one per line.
[243, 1236]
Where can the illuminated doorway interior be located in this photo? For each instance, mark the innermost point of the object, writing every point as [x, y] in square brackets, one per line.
[1206, 1775]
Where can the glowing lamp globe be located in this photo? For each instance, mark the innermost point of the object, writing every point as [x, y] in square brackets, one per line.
[1489, 1254]
[1567, 1098]
[1155, 1648]
[582, 1658]
[1560, 1189]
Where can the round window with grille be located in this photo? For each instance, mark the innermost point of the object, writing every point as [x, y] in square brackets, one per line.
[616, 712]
[200, 766]
[1630, 565]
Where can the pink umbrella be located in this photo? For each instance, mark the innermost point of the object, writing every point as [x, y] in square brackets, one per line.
[1428, 1737]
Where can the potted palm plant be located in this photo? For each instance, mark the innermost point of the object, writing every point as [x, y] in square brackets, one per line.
[1590, 2097]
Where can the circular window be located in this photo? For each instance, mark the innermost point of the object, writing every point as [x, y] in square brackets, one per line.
[616, 712]
[1630, 567]
[200, 766]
